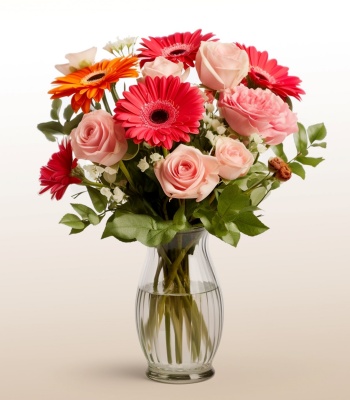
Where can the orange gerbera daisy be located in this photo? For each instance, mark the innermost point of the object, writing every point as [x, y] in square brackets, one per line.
[90, 82]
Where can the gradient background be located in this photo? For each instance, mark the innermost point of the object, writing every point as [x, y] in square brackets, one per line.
[67, 329]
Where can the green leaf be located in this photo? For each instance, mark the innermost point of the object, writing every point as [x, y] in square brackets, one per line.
[258, 167]
[275, 184]
[180, 219]
[300, 140]
[206, 216]
[321, 144]
[145, 229]
[218, 226]
[253, 179]
[257, 195]
[278, 150]
[231, 201]
[75, 231]
[297, 169]
[55, 110]
[249, 224]
[316, 132]
[86, 213]
[309, 160]
[233, 235]
[54, 115]
[73, 221]
[70, 125]
[132, 150]
[50, 128]
[99, 201]
[289, 102]
[68, 112]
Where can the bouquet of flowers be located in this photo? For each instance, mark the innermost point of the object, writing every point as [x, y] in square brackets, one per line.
[158, 155]
[168, 154]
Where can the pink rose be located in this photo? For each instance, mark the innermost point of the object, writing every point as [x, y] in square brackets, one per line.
[249, 111]
[221, 65]
[186, 173]
[99, 138]
[234, 158]
[163, 67]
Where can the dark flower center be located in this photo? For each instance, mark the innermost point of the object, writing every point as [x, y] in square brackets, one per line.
[159, 116]
[177, 52]
[96, 77]
[261, 76]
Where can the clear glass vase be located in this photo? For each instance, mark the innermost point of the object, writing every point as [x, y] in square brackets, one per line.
[179, 310]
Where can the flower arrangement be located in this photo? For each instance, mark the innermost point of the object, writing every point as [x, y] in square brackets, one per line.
[158, 155]
[169, 155]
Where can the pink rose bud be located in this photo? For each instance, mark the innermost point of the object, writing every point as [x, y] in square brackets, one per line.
[163, 67]
[99, 138]
[234, 158]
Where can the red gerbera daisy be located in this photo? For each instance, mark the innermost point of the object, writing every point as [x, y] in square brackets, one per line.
[179, 47]
[160, 111]
[56, 175]
[268, 74]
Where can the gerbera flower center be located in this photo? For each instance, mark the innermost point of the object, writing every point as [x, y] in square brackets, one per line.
[177, 49]
[159, 116]
[261, 74]
[94, 77]
[177, 52]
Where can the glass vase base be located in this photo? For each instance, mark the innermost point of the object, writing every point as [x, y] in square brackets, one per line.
[184, 377]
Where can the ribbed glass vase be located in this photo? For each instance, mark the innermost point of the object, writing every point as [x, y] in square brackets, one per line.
[179, 309]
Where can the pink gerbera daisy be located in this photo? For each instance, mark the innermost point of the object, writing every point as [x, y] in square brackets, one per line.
[56, 175]
[160, 111]
[268, 74]
[179, 47]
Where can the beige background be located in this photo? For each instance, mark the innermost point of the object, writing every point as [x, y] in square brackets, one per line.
[67, 329]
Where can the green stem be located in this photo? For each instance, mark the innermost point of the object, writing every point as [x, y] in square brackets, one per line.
[212, 197]
[176, 264]
[114, 93]
[264, 196]
[268, 176]
[167, 332]
[105, 103]
[298, 154]
[156, 276]
[126, 174]
[165, 152]
[86, 182]
[165, 211]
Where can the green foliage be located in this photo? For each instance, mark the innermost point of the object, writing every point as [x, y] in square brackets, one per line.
[297, 169]
[55, 127]
[87, 217]
[316, 132]
[72, 221]
[86, 213]
[148, 230]
[312, 161]
[99, 201]
[132, 151]
[304, 140]
[300, 140]
[234, 215]
[279, 151]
